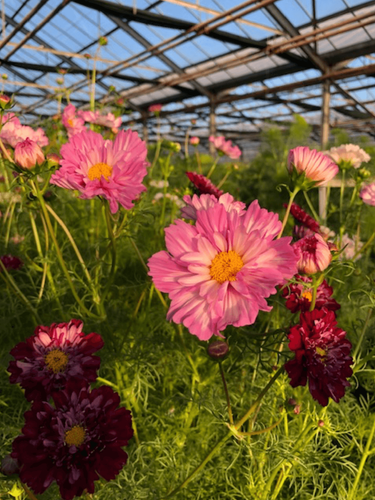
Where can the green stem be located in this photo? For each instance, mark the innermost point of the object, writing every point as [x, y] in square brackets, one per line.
[198, 160]
[311, 207]
[358, 346]
[342, 190]
[28, 492]
[166, 171]
[121, 387]
[211, 171]
[9, 224]
[156, 157]
[365, 246]
[224, 179]
[291, 198]
[362, 463]
[226, 393]
[113, 250]
[188, 355]
[187, 143]
[314, 294]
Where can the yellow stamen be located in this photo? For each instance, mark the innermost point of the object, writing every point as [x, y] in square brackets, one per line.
[321, 351]
[70, 122]
[307, 295]
[98, 170]
[56, 360]
[225, 266]
[75, 436]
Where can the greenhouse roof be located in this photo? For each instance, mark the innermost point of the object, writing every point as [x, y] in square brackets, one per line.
[252, 62]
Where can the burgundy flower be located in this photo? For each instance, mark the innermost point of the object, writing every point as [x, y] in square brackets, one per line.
[322, 356]
[204, 185]
[299, 295]
[52, 356]
[304, 218]
[11, 262]
[75, 442]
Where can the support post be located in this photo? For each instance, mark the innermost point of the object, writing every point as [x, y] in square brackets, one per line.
[324, 140]
[144, 128]
[212, 126]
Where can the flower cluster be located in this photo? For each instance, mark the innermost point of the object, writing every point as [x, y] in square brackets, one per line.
[225, 147]
[348, 155]
[13, 132]
[72, 434]
[74, 121]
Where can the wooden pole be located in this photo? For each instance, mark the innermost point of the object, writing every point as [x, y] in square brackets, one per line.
[212, 126]
[324, 141]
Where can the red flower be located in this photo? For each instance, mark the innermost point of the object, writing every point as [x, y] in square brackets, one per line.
[52, 356]
[299, 295]
[204, 185]
[322, 356]
[11, 262]
[304, 218]
[75, 442]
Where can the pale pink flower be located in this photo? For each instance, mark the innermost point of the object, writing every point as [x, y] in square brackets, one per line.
[368, 194]
[349, 154]
[72, 123]
[206, 201]
[317, 167]
[351, 246]
[225, 147]
[111, 169]
[14, 132]
[313, 254]
[220, 271]
[194, 141]
[109, 120]
[155, 108]
[27, 154]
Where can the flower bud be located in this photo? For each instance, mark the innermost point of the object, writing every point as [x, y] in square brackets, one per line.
[5, 101]
[310, 168]
[53, 160]
[194, 141]
[363, 173]
[27, 154]
[218, 350]
[59, 81]
[321, 423]
[120, 101]
[313, 254]
[103, 40]
[86, 55]
[4, 76]
[62, 71]
[9, 466]
[297, 409]
[193, 121]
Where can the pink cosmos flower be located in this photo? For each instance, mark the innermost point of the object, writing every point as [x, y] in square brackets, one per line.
[27, 154]
[313, 254]
[155, 108]
[54, 355]
[194, 141]
[220, 271]
[95, 117]
[317, 167]
[349, 154]
[206, 201]
[225, 147]
[72, 123]
[368, 194]
[14, 132]
[112, 169]
[351, 246]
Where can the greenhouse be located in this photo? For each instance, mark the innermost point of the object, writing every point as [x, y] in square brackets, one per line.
[187, 249]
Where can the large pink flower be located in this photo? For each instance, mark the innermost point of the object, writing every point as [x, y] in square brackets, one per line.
[368, 194]
[13, 132]
[348, 155]
[220, 271]
[317, 167]
[225, 147]
[96, 167]
[72, 123]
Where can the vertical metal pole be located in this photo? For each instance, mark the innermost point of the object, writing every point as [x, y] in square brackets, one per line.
[212, 126]
[324, 140]
[144, 128]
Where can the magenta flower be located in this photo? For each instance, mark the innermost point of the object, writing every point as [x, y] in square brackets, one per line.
[75, 442]
[14, 132]
[73, 124]
[322, 356]
[54, 355]
[27, 154]
[225, 147]
[368, 194]
[348, 155]
[220, 271]
[313, 254]
[11, 262]
[95, 117]
[299, 295]
[203, 185]
[194, 141]
[316, 166]
[206, 201]
[95, 167]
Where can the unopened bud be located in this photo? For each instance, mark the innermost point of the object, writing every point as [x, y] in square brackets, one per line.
[292, 401]
[5, 101]
[218, 350]
[9, 466]
[62, 71]
[53, 159]
[297, 409]
[4, 76]
[103, 40]
[321, 423]
[59, 81]
[86, 55]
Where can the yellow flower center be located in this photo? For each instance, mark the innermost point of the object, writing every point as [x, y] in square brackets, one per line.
[307, 295]
[56, 360]
[75, 436]
[70, 122]
[98, 170]
[225, 266]
[320, 351]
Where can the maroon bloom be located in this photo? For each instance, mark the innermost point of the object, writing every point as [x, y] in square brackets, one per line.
[304, 218]
[11, 262]
[75, 442]
[204, 185]
[53, 355]
[299, 295]
[322, 356]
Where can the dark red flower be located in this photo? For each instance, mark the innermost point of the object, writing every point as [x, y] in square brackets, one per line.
[52, 356]
[322, 356]
[11, 262]
[299, 295]
[75, 442]
[204, 185]
[304, 218]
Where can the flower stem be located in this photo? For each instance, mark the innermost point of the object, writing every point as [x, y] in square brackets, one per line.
[224, 179]
[113, 250]
[358, 346]
[226, 393]
[292, 196]
[198, 160]
[342, 190]
[365, 246]
[311, 207]
[4, 150]
[211, 171]
[314, 294]
[28, 492]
